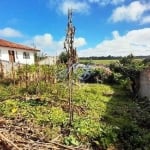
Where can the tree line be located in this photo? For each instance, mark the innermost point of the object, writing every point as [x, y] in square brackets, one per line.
[111, 57]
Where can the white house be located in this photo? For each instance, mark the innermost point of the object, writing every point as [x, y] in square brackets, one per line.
[16, 53]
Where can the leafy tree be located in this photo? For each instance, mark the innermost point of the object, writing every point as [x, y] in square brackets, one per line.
[127, 60]
[147, 61]
[63, 57]
[130, 70]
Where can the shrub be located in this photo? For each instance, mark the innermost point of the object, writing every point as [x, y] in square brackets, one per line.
[131, 137]
[130, 69]
[106, 137]
[98, 75]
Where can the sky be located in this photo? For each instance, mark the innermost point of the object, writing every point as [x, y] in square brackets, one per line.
[103, 27]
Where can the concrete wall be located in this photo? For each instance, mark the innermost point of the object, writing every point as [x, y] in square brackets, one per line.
[6, 67]
[50, 60]
[145, 83]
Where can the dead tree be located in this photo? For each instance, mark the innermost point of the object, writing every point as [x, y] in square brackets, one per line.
[71, 59]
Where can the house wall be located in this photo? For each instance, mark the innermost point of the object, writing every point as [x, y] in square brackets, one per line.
[18, 56]
[145, 83]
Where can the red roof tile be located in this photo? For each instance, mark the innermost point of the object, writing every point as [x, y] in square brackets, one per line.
[5, 43]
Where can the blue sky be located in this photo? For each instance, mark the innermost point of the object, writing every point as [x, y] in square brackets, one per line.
[103, 27]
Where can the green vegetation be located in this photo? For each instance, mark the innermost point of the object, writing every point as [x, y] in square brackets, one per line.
[100, 62]
[105, 115]
[107, 60]
[63, 57]
[129, 70]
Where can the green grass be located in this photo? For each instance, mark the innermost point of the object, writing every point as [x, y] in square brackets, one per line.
[103, 116]
[101, 62]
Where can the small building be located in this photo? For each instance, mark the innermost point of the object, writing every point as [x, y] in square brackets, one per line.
[49, 60]
[145, 83]
[16, 53]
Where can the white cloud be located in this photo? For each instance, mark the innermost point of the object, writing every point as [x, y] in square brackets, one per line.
[47, 44]
[63, 6]
[79, 42]
[106, 2]
[145, 20]
[10, 32]
[116, 2]
[77, 6]
[45, 40]
[133, 12]
[136, 42]
[115, 34]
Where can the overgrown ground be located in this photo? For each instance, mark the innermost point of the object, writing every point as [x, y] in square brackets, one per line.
[104, 118]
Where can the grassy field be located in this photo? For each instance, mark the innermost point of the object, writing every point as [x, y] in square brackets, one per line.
[101, 62]
[104, 116]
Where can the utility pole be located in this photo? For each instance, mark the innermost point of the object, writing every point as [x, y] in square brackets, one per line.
[71, 59]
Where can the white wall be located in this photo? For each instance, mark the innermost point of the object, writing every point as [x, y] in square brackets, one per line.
[4, 54]
[19, 57]
[50, 60]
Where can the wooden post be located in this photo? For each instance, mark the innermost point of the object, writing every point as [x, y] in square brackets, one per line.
[1, 70]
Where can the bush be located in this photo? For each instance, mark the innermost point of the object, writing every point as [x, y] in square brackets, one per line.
[63, 57]
[107, 137]
[147, 61]
[98, 75]
[131, 137]
[114, 78]
[130, 69]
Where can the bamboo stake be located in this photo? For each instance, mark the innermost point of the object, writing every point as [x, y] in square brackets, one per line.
[72, 58]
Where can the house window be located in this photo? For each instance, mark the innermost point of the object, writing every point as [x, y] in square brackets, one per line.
[26, 55]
